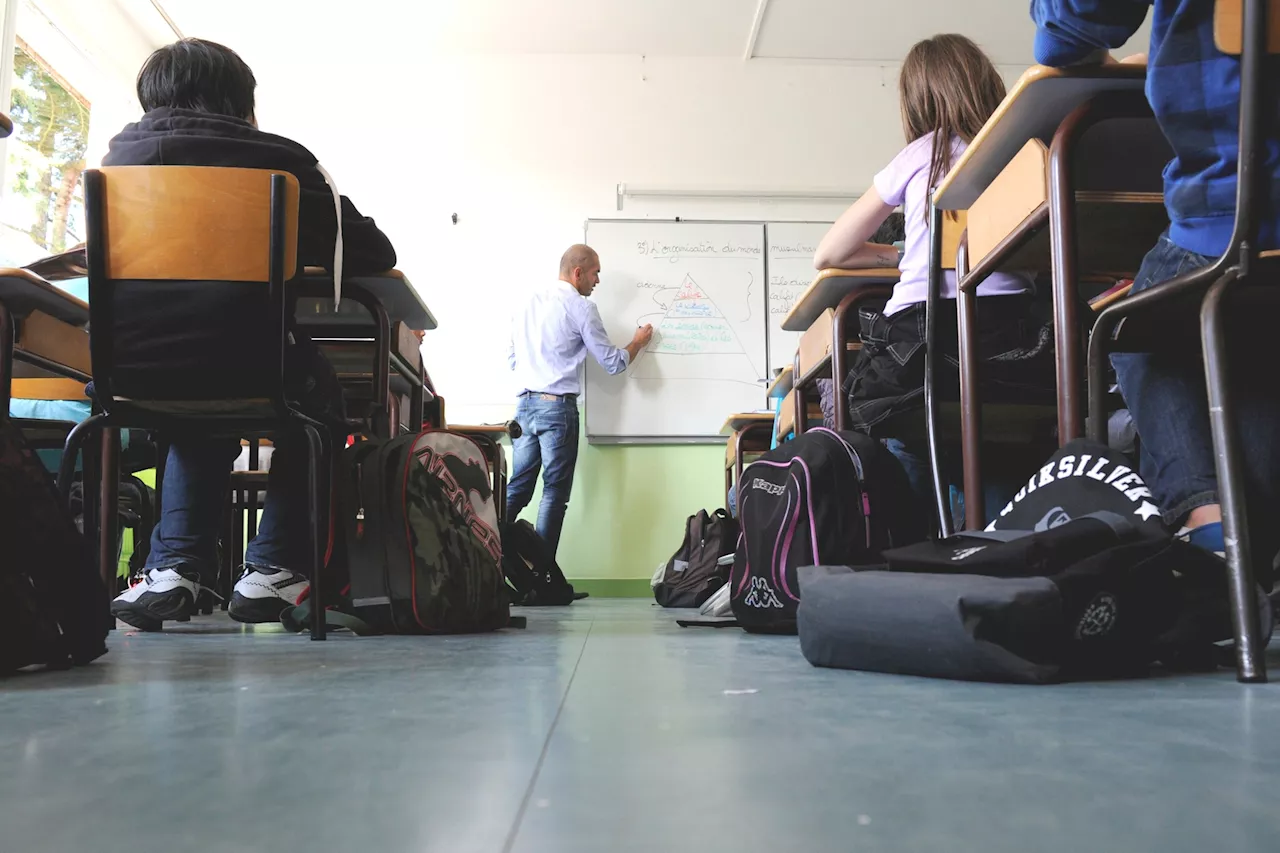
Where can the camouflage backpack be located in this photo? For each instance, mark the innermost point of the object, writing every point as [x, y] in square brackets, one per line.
[416, 536]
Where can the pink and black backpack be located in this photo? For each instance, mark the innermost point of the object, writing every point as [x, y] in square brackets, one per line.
[825, 498]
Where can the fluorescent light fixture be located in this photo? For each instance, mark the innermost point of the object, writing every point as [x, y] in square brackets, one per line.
[626, 191]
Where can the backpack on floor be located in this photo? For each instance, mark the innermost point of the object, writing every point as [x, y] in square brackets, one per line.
[824, 498]
[417, 539]
[531, 569]
[702, 564]
[1083, 477]
[1095, 597]
[53, 607]
[1092, 586]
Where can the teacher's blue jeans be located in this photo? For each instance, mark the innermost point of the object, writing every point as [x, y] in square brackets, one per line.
[548, 443]
[1166, 394]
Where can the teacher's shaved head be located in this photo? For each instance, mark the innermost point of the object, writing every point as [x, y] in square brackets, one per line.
[580, 266]
[577, 255]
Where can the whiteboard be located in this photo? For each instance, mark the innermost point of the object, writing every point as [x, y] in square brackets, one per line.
[792, 246]
[702, 286]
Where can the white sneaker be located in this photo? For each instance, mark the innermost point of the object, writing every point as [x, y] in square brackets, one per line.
[262, 594]
[164, 594]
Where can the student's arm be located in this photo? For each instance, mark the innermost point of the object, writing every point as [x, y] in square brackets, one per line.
[1079, 32]
[612, 359]
[845, 246]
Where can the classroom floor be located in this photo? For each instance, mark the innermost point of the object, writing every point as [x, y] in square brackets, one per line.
[604, 727]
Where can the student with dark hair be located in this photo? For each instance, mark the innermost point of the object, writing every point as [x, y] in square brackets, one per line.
[199, 103]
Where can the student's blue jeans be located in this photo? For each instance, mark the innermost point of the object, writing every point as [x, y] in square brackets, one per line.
[548, 443]
[197, 477]
[1166, 396]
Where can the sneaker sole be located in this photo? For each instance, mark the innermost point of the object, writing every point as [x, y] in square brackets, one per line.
[149, 613]
[256, 611]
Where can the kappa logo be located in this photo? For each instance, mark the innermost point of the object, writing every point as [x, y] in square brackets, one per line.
[765, 486]
[762, 595]
[966, 553]
[1099, 617]
[1121, 477]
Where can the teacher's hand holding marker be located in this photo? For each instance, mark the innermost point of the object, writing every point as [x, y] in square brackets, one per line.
[642, 337]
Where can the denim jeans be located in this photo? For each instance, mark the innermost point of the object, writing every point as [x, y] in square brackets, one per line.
[197, 477]
[915, 462]
[549, 442]
[1166, 395]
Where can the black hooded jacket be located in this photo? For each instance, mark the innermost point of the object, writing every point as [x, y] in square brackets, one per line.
[171, 329]
[173, 137]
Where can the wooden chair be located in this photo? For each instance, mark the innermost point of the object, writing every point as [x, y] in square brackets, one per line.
[155, 233]
[1249, 28]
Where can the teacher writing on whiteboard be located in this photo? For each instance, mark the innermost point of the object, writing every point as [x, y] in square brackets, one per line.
[551, 334]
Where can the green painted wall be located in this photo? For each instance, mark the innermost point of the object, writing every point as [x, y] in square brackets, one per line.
[628, 511]
[626, 515]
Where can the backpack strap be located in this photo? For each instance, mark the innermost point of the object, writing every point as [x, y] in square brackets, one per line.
[297, 619]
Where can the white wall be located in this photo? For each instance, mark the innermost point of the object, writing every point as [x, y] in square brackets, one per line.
[524, 148]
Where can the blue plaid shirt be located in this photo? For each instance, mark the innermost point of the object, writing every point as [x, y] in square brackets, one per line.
[1194, 90]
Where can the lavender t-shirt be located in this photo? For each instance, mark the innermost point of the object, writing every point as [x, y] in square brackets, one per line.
[905, 182]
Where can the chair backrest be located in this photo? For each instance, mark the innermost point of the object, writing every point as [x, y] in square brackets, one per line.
[187, 272]
[1250, 29]
[1228, 26]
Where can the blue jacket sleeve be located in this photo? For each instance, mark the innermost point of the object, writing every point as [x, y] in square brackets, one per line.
[1068, 31]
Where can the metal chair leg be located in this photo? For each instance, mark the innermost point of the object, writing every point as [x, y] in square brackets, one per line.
[1099, 357]
[942, 494]
[71, 451]
[317, 508]
[1251, 664]
[109, 509]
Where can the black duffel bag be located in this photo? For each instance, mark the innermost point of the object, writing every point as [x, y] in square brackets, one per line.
[1097, 597]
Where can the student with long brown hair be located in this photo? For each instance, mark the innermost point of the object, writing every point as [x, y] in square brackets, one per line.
[948, 89]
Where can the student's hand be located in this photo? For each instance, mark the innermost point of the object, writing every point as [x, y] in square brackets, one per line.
[1135, 59]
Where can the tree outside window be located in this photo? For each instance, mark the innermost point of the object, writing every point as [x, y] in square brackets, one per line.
[43, 209]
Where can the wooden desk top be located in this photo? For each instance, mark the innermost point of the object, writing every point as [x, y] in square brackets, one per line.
[742, 420]
[1033, 109]
[22, 291]
[782, 384]
[48, 389]
[479, 429]
[826, 291]
[392, 288]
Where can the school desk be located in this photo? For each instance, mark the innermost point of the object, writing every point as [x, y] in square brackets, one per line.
[1067, 147]
[841, 293]
[750, 433]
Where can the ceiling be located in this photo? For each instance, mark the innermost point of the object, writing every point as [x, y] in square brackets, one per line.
[807, 30]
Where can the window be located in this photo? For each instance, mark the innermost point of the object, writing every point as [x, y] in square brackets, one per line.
[43, 208]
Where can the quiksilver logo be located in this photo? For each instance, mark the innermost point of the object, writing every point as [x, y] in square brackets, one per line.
[764, 485]
[1120, 477]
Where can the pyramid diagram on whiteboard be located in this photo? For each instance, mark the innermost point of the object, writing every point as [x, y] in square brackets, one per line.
[692, 326]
